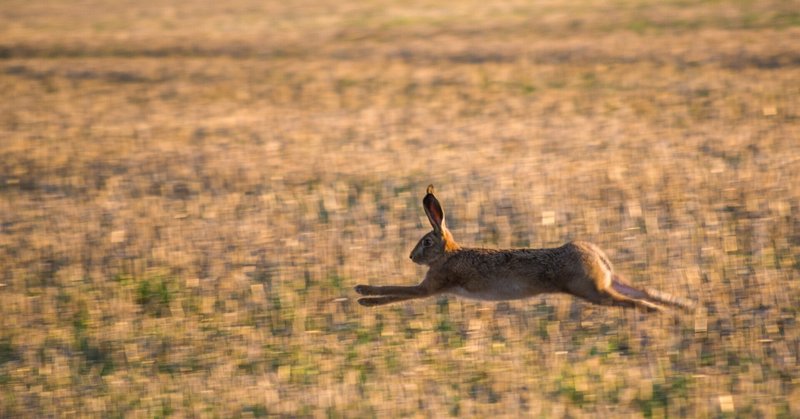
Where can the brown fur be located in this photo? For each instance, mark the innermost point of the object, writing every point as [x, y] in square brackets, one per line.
[577, 268]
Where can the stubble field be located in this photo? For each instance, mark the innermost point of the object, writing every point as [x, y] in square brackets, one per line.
[189, 193]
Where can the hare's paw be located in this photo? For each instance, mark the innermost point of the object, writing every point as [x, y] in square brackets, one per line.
[368, 290]
[365, 289]
[369, 302]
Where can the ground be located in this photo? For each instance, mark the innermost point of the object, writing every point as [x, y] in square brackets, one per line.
[188, 194]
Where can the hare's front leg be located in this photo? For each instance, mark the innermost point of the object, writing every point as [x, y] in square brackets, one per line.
[397, 290]
[388, 294]
[383, 299]
[393, 293]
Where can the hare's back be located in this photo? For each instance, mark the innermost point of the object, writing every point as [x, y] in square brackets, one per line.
[495, 275]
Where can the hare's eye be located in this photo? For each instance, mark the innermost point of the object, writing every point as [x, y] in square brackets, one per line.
[427, 242]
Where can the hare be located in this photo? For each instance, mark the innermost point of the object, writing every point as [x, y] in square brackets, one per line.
[577, 268]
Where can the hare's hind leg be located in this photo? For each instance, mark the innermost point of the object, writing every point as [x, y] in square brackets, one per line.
[599, 284]
[622, 291]
[610, 297]
[623, 301]
[603, 290]
[650, 296]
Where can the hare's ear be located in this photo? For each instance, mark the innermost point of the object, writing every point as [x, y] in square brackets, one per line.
[433, 210]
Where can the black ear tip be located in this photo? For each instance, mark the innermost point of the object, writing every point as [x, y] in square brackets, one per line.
[430, 189]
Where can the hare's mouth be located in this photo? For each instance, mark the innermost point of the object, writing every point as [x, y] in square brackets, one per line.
[418, 259]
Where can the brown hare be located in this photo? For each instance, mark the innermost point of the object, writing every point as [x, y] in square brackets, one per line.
[577, 268]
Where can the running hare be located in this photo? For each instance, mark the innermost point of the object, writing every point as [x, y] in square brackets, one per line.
[577, 268]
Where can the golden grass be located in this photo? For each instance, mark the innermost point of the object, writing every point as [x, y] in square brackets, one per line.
[188, 195]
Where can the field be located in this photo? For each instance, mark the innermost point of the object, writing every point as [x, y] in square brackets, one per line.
[189, 193]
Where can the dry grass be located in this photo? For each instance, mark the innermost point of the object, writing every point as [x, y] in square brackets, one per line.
[188, 195]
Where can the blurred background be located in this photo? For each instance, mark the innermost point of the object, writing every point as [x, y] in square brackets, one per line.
[190, 190]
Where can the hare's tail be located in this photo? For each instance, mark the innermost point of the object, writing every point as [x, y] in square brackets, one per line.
[650, 295]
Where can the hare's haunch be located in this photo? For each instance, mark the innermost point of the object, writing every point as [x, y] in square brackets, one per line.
[577, 268]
